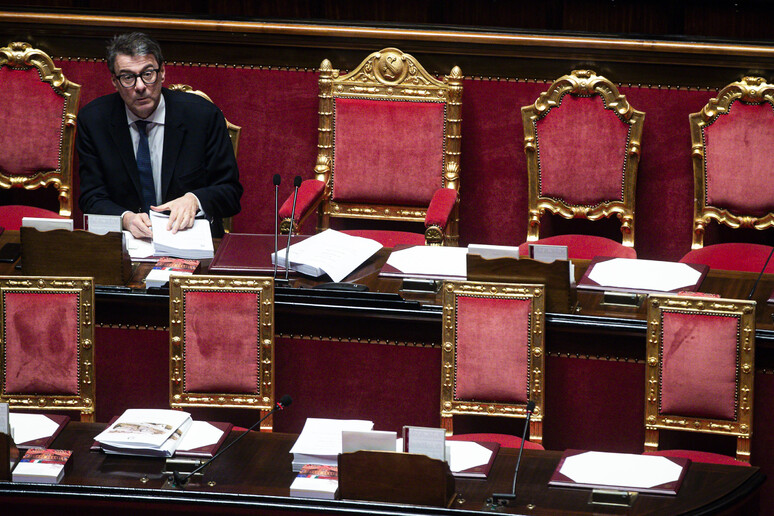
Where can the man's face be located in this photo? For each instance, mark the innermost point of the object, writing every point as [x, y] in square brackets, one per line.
[141, 99]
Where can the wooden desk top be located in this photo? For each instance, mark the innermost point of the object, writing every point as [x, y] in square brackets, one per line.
[258, 475]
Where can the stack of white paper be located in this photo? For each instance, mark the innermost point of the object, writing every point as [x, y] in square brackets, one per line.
[320, 441]
[431, 262]
[330, 252]
[148, 432]
[193, 243]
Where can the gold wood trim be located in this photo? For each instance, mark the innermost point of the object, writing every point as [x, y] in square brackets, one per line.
[457, 37]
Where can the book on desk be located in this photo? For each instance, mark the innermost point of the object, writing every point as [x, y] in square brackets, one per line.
[36, 430]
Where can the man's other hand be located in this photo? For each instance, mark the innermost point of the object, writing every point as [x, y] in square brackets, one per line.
[182, 212]
[138, 224]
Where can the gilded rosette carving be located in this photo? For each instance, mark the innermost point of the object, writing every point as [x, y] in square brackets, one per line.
[585, 83]
[263, 289]
[450, 403]
[741, 310]
[750, 90]
[83, 288]
[22, 56]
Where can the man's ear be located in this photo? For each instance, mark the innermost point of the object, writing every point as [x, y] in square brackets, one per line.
[114, 81]
[161, 73]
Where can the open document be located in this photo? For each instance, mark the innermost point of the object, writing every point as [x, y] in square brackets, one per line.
[330, 252]
[194, 243]
[149, 432]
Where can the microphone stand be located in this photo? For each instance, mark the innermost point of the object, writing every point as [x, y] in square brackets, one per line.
[752, 291]
[296, 184]
[277, 179]
[178, 479]
[505, 498]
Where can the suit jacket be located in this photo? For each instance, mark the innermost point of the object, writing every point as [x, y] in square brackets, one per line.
[197, 157]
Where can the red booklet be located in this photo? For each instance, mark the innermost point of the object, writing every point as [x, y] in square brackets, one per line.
[45, 442]
[165, 266]
[242, 253]
[481, 471]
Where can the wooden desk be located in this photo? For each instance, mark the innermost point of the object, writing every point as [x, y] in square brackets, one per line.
[256, 477]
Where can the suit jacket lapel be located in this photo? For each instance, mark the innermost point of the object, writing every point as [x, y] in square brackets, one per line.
[123, 141]
[174, 132]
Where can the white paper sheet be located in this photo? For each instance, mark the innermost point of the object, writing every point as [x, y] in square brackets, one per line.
[199, 435]
[323, 436]
[466, 454]
[138, 248]
[193, 243]
[644, 274]
[31, 427]
[620, 469]
[431, 261]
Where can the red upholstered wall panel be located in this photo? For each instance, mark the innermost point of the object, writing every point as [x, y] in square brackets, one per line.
[30, 123]
[277, 110]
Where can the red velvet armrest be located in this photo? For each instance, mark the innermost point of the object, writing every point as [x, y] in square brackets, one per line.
[309, 193]
[441, 207]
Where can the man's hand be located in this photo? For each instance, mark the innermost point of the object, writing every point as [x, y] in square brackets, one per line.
[138, 224]
[182, 212]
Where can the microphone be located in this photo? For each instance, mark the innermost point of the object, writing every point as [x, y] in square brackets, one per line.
[755, 285]
[277, 180]
[296, 184]
[179, 479]
[504, 498]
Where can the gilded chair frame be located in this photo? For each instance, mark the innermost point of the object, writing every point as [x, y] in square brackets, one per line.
[21, 55]
[389, 74]
[752, 90]
[741, 426]
[584, 83]
[536, 356]
[261, 287]
[85, 400]
[234, 132]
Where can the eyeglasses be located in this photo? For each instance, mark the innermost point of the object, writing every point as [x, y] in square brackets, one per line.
[149, 76]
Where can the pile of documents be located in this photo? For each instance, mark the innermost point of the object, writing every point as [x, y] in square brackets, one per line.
[147, 432]
[194, 243]
[320, 441]
[330, 252]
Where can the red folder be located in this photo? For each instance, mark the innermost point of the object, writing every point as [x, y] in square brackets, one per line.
[481, 471]
[242, 253]
[45, 442]
[587, 284]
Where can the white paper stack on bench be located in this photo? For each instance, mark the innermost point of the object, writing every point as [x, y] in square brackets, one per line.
[330, 252]
[320, 441]
[147, 432]
[194, 243]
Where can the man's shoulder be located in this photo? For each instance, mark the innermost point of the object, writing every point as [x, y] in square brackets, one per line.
[189, 103]
[99, 105]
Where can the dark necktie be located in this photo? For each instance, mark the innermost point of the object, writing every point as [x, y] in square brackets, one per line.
[144, 167]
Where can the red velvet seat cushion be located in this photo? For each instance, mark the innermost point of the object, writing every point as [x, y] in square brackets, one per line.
[584, 247]
[389, 238]
[732, 257]
[12, 214]
[699, 456]
[505, 440]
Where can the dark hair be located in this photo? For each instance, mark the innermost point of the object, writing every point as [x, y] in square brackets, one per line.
[133, 44]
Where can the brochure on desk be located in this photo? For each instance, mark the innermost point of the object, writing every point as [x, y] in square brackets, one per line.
[36, 430]
[620, 471]
[642, 276]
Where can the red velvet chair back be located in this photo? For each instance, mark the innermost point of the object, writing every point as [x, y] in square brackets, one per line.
[222, 342]
[700, 368]
[37, 123]
[388, 140]
[47, 344]
[493, 354]
[733, 158]
[582, 140]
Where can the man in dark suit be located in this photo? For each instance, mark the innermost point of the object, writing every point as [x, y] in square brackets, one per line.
[147, 148]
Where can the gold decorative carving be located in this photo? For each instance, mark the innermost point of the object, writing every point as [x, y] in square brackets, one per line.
[83, 400]
[450, 404]
[750, 90]
[582, 83]
[263, 289]
[741, 426]
[22, 56]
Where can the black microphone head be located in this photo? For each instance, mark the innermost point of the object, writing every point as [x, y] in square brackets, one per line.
[277, 179]
[286, 400]
[530, 406]
[297, 181]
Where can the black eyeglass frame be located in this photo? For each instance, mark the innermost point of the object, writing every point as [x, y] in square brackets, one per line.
[134, 77]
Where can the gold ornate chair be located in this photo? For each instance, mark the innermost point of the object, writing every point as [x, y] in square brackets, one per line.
[582, 141]
[47, 344]
[221, 347]
[233, 133]
[388, 150]
[700, 371]
[493, 356]
[733, 163]
[37, 129]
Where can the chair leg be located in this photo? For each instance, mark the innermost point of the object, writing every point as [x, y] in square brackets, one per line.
[536, 432]
[268, 423]
[87, 418]
[447, 424]
[743, 449]
[651, 440]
